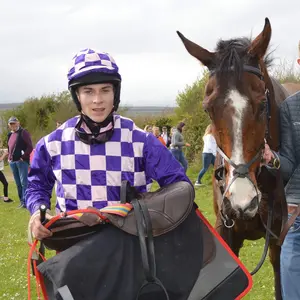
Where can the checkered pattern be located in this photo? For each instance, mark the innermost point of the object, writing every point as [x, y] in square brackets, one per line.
[88, 60]
[91, 175]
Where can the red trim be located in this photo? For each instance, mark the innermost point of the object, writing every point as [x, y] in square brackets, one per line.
[72, 212]
[216, 234]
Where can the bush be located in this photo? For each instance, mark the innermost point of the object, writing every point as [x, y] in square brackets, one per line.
[285, 72]
[190, 111]
[39, 115]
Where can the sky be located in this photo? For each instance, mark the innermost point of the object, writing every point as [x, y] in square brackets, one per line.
[39, 39]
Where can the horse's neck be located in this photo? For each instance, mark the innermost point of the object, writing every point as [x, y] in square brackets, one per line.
[278, 95]
[280, 92]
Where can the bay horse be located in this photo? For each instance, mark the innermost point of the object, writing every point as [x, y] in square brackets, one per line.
[243, 101]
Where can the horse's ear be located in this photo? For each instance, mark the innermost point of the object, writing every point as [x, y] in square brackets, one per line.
[260, 45]
[203, 55]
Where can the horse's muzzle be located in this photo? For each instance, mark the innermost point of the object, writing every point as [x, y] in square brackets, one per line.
[237, 212]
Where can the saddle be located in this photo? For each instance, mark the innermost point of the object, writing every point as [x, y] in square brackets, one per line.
[162, 210]
[167, 208]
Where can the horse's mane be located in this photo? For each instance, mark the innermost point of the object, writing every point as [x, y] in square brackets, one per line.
[232, 55]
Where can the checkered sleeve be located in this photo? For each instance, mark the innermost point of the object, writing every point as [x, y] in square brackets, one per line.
[41, 179]
[160, 164]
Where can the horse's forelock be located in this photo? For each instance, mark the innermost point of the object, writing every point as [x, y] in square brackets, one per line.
[233, 54]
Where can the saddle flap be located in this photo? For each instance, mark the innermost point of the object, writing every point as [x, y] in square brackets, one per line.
[168, 207]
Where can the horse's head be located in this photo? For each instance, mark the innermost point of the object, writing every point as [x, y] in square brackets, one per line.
[236, 101]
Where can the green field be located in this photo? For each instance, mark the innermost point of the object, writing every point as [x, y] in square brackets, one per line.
[14, 249]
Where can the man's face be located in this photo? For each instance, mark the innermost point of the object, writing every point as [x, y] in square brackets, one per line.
[156, 131]
[97, 100]
[164, 129]
[58, 124]
[14, 126]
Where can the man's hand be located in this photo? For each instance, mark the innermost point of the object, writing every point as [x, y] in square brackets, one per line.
[187, 144]
[268, 155]
[38, 230]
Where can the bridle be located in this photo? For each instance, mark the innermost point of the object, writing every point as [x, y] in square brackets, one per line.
[242, 171]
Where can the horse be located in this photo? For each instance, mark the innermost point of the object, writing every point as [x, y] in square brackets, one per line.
[243, 101]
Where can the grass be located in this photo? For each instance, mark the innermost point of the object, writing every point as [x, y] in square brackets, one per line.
[14, 248]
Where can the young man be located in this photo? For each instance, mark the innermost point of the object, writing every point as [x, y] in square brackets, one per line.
[156, 133]
[90, 155]
[289, 156]
[19, 149]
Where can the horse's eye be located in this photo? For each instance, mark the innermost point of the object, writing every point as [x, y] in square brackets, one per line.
[262, 107]
[209, 91]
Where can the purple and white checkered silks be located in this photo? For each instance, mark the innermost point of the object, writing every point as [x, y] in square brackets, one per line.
[89, 60]
[91, 175]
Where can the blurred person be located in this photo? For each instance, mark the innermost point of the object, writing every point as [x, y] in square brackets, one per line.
[208, 154]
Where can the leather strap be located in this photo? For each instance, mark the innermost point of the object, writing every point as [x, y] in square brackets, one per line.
[144, 228]
[288, 225]
[141, 229]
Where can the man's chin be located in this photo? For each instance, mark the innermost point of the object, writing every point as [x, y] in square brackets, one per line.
[98, 118]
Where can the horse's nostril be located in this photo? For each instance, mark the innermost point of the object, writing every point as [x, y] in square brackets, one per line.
[253, 204]
[241, 212]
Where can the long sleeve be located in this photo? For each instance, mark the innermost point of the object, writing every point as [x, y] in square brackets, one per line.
[287, 153]
[160, 164]
[177, 139]
[27, 139]
[41, 179]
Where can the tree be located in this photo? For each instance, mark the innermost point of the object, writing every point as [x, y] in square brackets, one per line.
[191, 112]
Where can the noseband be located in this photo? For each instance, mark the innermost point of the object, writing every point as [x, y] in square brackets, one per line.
[241, 170]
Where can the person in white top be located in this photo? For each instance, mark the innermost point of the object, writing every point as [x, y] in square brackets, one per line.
[165, 136]
[208, 153]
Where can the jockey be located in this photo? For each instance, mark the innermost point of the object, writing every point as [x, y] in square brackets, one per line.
[91, 154]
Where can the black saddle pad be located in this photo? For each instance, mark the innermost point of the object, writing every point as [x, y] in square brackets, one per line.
[191, 263]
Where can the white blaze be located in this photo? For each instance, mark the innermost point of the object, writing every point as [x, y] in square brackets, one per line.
[241, 190]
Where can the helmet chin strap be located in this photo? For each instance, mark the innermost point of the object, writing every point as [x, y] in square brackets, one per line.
[96, 126]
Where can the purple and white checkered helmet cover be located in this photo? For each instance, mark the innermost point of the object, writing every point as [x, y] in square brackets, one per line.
[89, 60]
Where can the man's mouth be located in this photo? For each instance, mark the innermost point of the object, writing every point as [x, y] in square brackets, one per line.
[99, 109]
